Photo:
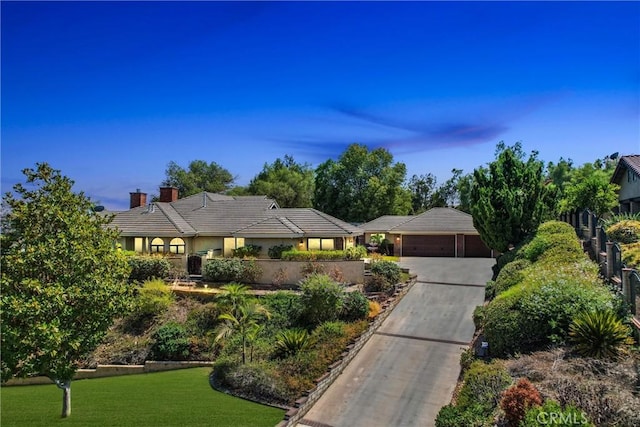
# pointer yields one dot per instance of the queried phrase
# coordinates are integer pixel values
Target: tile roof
(435, 220)
(626, 162)
(210, 214)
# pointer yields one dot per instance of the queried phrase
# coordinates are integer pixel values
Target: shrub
(257, 381)
(356, 307)
(565, 247)
(203, 318)
(518, 399)
(147, 267)
(626, 231)
(478, 316)
(285, 309)
(247, 251)
(152, 299)
(378, 283)
(483, 385)
(355, 252)
(291, 341)
(388, 269)
(374, 309)
(295, 255)
(322, 299)
(171, 342)
(454, 416)
(490, 290)
(570, 416)
(231, 270)
(312, 267)
(275, 252)
(538, 311)
(510, 275)
(631, 255)
(466, 359)
(556, 227)
(599, 334)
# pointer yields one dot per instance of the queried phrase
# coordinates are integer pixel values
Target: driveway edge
(304, 404)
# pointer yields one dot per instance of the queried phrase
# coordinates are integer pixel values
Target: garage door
(474, 247)
(440, 245)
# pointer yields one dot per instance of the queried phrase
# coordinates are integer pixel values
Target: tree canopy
(199, 176)
(508, 197)
(362, 185)
(589, 187)
(291, 184)
(62, 282)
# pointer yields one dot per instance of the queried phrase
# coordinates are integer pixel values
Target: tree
(507, 198)
(63, 281)
(362, 185)
(589, 187)
(291, 184)
(422, 190)
(244, 322)
(199, 176)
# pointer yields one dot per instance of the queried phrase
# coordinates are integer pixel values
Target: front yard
(174, 398)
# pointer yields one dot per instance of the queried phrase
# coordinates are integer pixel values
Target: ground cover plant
(174, 398)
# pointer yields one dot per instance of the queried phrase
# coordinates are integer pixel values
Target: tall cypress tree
(507, 198)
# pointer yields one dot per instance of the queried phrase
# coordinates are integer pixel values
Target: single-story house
(438, 232)
(627, 176)
(216, 224)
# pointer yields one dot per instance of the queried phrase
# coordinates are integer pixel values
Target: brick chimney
(137, 199)
(168, 194)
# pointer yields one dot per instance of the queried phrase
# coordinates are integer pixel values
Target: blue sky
(110, 92)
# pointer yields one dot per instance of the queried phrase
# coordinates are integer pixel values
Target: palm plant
(599, 334)
(233, 296)
(292, 341)
(244, 322)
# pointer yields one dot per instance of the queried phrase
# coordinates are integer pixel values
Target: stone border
(310, 397)
(114, 370)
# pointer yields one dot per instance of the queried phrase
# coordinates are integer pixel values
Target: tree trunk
(65, 386)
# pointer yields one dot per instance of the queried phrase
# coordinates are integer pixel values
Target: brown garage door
(474, 247)
(439, 245)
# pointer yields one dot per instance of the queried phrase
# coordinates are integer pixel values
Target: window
(320, 244)
(176, 246)
(157, 245)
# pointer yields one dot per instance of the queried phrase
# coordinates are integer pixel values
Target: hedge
(295, 255)
(147, 267)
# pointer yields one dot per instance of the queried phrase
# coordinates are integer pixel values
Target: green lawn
(173, 398)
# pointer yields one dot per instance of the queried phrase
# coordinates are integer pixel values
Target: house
(438, 232)
(627, 176)
(216, 224)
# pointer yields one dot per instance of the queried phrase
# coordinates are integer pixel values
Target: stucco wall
(290, 272)
(629, 190)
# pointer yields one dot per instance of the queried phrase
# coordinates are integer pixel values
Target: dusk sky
(110, 92)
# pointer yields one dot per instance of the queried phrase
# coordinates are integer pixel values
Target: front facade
(214, 224)
(627, 176)
(438, 232)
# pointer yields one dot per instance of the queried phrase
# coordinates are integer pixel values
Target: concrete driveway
(409, 368)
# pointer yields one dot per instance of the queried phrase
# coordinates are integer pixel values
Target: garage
(434, 246)
(438, 232)
(474, 247)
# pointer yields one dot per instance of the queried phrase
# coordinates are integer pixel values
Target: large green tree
(63, 281)
(198, 176)
(508, 198)
(362, 185)
(589, 187)
(291, 184)
(422, 189)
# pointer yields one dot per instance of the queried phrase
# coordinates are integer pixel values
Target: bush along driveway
(409, 367)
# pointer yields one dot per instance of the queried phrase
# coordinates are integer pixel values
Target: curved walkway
(409, 368)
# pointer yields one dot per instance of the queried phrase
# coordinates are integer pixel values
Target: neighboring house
(627, 176)
(216, 224)
(438, 232)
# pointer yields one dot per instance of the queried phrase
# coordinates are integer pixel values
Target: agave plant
(292, 341)
(599, 334)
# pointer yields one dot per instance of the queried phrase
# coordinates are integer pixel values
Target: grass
(173, 398)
